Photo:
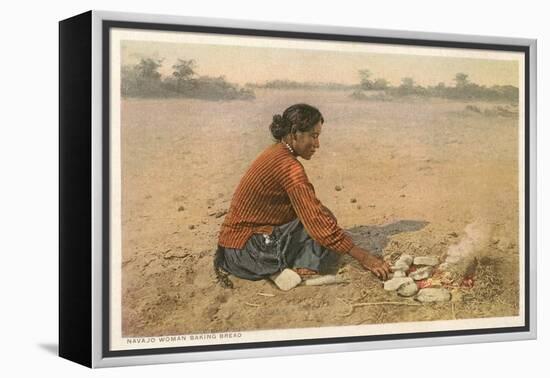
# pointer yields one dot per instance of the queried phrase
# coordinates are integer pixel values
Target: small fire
(422, 284)
(461, 258)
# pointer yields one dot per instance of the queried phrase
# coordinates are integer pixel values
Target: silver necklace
(289, 148)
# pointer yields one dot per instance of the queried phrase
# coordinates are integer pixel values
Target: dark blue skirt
(289, 246)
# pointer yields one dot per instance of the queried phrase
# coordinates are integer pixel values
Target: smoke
(459, 257)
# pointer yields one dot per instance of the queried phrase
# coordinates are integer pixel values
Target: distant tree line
(144, 80)
(289, 84)
(463, 89)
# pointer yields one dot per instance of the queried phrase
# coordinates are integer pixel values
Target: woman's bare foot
(305, 272)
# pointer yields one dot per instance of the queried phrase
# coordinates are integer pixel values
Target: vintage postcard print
(420, 160)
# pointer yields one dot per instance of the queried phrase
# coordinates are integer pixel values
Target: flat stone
(286, 280)
(396, 282)
(399, 274)
(421, 273)
(426, 260)
(400, 265)
(403, 263)
(407, 259)
(408, 289)
(433, 295)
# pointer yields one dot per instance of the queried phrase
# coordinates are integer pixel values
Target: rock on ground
(421, 273)
(399, 274)
(433, 295)
(408, 289)
(400, 265)
(407, 259)
(286, 280)
(426, 260)
(396, 282)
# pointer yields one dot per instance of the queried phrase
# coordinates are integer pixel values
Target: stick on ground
(354, 305)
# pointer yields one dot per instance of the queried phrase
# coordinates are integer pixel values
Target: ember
(418, 277)
(424, 283)
(467, 282)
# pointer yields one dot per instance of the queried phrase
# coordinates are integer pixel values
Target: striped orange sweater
(273, 191)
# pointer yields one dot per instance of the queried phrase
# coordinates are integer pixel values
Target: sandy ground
(414, 173)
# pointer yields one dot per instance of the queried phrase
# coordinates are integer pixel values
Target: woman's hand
(376, 265)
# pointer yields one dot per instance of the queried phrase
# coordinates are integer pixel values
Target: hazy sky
(242, 64)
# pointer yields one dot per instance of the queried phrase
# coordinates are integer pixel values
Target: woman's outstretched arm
(322, 226)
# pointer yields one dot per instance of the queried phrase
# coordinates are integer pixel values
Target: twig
(148, 262)
(385, 303)
(126, 262)
(252, 304)
(325, 280)
(379, 316)
(343, 301)
(266, 294)
(453, 310)
(354, 305)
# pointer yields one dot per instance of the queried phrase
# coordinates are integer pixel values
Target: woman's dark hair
(298, 117)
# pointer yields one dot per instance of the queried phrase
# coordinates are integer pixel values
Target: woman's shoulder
(278, 161)
(281, 156)
(287, 168)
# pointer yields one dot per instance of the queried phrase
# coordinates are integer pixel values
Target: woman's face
(307, 142)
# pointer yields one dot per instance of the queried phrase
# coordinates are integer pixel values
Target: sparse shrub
(144, 80)
(359, 95)
(380, 84)
(372, 96)
(463, 89)
(502, 111)
(289, 84)
(381, 96)
(473, 108)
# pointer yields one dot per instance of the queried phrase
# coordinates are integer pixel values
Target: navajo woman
(275, 221)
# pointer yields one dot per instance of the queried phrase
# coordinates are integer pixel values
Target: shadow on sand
(376, 238)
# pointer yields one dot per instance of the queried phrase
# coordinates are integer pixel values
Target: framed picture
(232, 189)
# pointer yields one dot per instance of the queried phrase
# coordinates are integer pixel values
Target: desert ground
(413, 174)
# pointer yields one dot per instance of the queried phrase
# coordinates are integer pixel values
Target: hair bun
(278, 120)
(279, 127)
(298, 117)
